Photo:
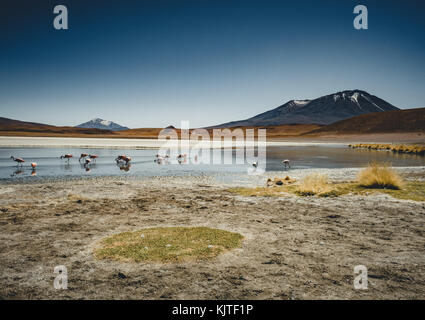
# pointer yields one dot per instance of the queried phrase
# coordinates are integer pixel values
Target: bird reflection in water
(88, 165)
(17, 172)
(124, 167)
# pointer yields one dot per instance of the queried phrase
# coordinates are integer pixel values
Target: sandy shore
(293, 248)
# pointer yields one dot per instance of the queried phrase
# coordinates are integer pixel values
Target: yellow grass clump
(315, 184)
(379, 175)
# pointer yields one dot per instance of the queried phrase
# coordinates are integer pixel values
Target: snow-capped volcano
(324, 110)
(98, 123)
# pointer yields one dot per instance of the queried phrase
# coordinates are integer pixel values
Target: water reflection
(21, 171)
(67, 166)
(17, 172)
(124, 167)
(88, 165)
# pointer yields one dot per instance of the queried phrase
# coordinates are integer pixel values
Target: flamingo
(83, 156)
(66, 156)
(93, 157)
(123, 158)
(286, 163)
(18, 160)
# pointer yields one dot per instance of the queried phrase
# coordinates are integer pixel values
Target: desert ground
(293, 248)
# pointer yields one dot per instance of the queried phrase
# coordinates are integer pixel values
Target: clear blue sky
(154, 63)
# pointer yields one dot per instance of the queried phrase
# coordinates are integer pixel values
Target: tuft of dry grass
(315, 184)
(171, 244)
(380, 176)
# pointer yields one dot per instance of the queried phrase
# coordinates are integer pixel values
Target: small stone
(210, 246)
(322, 243)
(168, 245)
(142, 236)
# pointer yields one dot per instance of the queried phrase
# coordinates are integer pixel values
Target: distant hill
(323, 110)
(98, 123)
(11, 125)
(410, 120)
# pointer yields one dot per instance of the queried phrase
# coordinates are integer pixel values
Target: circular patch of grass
(168, 244)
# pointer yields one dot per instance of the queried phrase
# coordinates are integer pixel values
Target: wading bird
(83, 156)
(93, 157)
(19, 161)
(123, 158)
(286, 163)
(66, 156)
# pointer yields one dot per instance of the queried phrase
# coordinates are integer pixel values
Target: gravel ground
(293, 248)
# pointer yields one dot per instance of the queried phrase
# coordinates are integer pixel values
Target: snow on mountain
(98, 123)
(323, 110)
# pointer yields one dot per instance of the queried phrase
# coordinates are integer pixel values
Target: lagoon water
(302, 157)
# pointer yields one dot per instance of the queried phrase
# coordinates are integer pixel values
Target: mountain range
(358, 112)
(323, 110)
(98, 123)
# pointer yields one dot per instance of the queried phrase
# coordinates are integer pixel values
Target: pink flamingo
(18, 160)
(93, 157)
(83, 156)
(66, 156)
(123, 158)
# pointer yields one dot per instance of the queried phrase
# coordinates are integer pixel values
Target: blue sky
(154, 63)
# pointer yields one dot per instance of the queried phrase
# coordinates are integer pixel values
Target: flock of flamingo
(85, 157)
(122, 161)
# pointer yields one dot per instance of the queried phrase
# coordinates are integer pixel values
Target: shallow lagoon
(301, 157)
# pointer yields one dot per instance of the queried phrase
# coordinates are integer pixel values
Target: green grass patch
(165, 245)
(410, 191)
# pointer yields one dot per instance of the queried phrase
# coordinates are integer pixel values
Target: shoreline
(57, 142)
(149, 143)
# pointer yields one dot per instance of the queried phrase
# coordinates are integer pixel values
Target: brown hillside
(411, 120)
(13, 127)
